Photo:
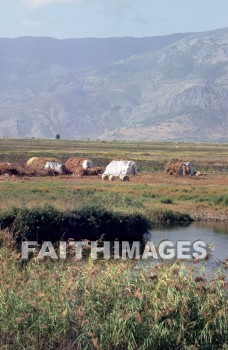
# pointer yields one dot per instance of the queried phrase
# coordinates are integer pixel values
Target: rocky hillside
(161, 88)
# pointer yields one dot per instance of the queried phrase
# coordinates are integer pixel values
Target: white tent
(54, 166)
(121, 167)
(87, 164)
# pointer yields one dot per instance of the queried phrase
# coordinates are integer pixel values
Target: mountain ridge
(175, 89)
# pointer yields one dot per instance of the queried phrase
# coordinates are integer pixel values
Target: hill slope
(163, 88)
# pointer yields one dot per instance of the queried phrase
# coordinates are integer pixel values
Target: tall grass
(108, 305)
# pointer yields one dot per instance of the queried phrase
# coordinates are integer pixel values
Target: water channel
(214, 234)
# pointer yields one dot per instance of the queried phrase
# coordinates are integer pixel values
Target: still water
(215, 234)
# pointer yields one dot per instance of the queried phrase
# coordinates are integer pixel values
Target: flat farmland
(203, 198)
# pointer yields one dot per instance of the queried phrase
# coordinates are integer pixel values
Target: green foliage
(221, 200)
(215, 200)
(149, 195)
(166, 200)
(185, 197)
(162, 216)
(49, 224)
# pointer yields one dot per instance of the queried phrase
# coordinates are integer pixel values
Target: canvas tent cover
(87, 164)
(190, 167)
(55, 166)
(121, 167)
(179, 167)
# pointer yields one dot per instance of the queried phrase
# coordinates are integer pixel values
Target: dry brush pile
(173, 166)
(74, 165)
(35, 166)
(22, 170)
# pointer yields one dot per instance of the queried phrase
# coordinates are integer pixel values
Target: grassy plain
(149, 192)
(150, 156)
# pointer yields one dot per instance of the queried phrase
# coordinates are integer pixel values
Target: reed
(108, 305)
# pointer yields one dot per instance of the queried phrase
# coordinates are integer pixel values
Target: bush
(222, 200)
(49, 224)
(163, 216)
(166, 200)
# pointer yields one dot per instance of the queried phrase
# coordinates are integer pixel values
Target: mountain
(170, 88)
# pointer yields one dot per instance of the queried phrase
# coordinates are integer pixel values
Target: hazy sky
(105, 18)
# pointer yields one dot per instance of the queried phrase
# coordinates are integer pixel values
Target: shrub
(223, 200)
(163, 216)
(166, 200)
(49, 224)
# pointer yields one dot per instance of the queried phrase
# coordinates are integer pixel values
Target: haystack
(173, 166)
(38, 163)
(30, 161)
(179, 167)
(76, 165)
